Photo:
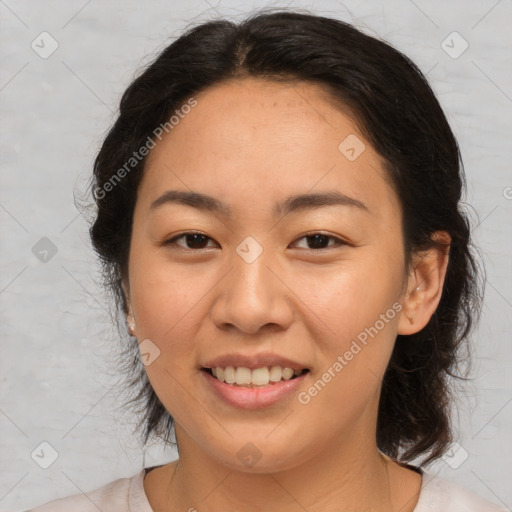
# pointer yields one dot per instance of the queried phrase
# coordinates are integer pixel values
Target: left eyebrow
(303, 202)
(300, 202)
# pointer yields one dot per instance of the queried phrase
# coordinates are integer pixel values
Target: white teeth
(242, 376)
(229, 375)
(260, 377)
(287, 373)
(276, 374)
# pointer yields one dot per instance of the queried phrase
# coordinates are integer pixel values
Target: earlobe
(425, 285)
(130, 320)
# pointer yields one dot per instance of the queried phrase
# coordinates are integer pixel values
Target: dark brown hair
(396, 111)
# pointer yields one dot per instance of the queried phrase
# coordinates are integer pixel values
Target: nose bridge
(252, 296)
(251, 277)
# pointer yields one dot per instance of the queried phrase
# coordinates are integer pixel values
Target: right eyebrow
(194, 199)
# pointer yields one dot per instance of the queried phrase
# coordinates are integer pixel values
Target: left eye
(198, 240)
(317, 240)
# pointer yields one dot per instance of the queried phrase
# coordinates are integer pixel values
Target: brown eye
(192, 240)
(321, 241)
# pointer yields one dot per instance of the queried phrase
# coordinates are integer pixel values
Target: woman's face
(257, 283)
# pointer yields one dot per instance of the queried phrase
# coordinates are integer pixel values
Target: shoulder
(119, 495)
(440, 495)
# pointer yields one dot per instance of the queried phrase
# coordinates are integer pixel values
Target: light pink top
(127, 495)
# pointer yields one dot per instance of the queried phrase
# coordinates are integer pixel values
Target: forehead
(249, 141)
(251, 111)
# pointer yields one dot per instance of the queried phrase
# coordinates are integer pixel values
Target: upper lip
(253, 361)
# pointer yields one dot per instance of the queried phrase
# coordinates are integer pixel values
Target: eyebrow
(300, 202)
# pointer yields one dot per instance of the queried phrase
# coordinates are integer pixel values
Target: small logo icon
(249, 454)
(454, 45)
(44, 454)
(351, 147)
(44, 250)
(148, 351)
(455, 456)
(249, 250)
(44, 45)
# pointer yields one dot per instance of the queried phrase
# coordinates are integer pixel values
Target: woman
(296, 375)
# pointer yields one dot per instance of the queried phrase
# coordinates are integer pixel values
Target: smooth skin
(251, 143)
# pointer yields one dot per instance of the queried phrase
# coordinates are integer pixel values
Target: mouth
(254, 378)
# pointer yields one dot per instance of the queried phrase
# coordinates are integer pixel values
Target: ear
(424, 285)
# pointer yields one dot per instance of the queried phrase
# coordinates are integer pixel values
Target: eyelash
(172, 241)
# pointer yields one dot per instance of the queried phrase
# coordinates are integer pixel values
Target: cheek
(350, 297)
(356, 309)
(166, 306)
(165, 296)
(353, 364)
(166, 313)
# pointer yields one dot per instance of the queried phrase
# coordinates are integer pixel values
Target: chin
(259, 457)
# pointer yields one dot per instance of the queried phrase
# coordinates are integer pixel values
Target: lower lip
(253, 398)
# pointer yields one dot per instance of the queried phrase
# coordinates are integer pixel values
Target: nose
(253, 296)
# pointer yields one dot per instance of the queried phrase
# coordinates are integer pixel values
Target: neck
(352, 473)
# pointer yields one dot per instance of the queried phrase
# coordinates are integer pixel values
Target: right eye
(193, 240)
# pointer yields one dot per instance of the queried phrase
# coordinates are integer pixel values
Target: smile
(257, 377)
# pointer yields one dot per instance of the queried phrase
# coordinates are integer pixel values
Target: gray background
(59, 382)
